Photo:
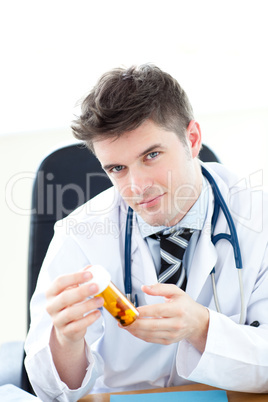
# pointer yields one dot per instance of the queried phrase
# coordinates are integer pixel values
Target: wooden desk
(232, 396)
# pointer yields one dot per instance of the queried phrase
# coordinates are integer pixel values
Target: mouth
(150, 202)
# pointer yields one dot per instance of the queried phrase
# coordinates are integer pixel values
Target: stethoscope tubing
(128, 237)
(221, 204)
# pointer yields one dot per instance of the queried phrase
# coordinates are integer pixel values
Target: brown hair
(123, 99)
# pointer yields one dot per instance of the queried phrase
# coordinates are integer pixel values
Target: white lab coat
(235, 357)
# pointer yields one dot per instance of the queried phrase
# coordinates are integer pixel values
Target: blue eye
(117, 169)
(152, 155)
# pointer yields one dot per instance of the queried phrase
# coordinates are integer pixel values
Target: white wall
(54, 51)
(240, 139)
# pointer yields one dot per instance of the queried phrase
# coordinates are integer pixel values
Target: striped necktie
(172, 249)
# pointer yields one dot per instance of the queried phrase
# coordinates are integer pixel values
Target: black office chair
(66, 178)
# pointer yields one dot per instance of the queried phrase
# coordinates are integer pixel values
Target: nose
(139, 181)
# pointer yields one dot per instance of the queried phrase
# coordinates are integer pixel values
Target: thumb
(162, 289)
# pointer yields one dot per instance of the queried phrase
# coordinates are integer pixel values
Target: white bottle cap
(100, 276)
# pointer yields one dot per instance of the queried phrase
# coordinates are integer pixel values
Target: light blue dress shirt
(194, 219)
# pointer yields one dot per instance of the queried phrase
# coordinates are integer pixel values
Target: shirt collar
(194, 219)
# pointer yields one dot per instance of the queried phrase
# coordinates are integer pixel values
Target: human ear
(193, 134)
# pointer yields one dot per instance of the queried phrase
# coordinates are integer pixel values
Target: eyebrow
(146, 151)
(150, 149)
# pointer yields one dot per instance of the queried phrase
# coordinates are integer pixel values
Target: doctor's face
(157, 175)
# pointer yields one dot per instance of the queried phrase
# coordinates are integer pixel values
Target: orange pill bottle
(114, 301)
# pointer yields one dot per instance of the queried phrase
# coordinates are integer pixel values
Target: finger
(86, 268)
(161, 310)
(75, 329)
(65, 281)
(162, 289)
(70, 296)
(77, 311)
(154, 330)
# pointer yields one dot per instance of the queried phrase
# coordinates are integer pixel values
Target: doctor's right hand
(72, 312)
(70, 308)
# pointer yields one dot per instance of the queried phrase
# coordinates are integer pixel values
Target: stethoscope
(219, 204)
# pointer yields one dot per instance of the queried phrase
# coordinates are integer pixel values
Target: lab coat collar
(205, 255)
(204, 258)
(203, 262)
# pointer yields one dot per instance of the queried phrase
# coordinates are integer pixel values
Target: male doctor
(140, 125)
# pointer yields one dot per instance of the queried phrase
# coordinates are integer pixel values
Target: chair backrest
(66, 178)
(207, 155)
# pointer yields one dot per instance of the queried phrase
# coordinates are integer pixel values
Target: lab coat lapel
(205, 256)
(143, 270)
(143, 265)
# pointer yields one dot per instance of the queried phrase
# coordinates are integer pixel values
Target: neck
(192, 196)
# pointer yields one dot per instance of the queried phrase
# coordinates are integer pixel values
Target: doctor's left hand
(179, 317)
